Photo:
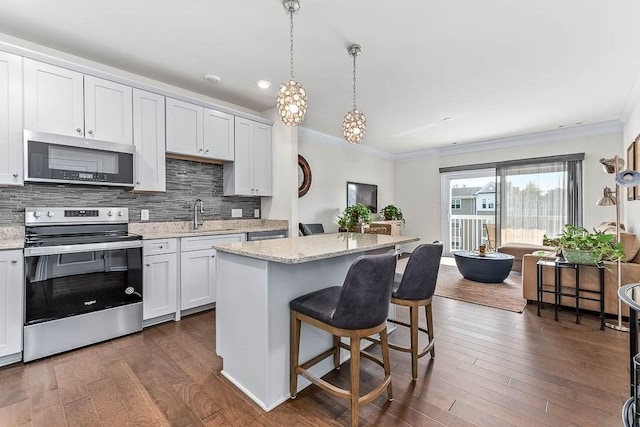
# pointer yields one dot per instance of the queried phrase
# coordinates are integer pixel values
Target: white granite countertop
(296, 250)
(164, 230)
(11, 237)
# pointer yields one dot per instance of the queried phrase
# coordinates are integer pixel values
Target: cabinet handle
(206, 151)
(14, 261)
(213, 256)
(79, 130)
(148, 265)
(15, 175)
(199, 150)
(160, 246)
(90, 132)
(137, 182)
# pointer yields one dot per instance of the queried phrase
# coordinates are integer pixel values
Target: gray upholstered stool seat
(354, 310)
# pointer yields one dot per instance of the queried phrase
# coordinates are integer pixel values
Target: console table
(558, 290)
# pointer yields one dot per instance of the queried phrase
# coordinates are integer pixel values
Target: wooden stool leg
(294, 350)
(428, 309)
(336, 354)
(413, 323)
(355, 379)
(384, 343)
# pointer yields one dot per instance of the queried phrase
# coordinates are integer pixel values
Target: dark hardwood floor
(492, 368)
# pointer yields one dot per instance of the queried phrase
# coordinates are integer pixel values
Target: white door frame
(445, 195)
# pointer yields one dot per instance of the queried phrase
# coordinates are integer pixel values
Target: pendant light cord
(354, 83)
(291, 43)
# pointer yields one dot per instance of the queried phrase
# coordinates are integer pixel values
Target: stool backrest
(420, 276)
(366, 292)
(309, 229)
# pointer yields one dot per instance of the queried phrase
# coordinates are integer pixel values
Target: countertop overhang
(296, 250)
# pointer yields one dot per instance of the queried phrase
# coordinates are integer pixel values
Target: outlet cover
(236, 213)
(144, 214)
(256, 213)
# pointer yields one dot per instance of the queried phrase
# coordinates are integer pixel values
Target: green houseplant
(579, 246)
(352, 215)
(391, 213)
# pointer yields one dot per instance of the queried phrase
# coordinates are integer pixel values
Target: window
(455, 223)
(484, 203)
(456, 204)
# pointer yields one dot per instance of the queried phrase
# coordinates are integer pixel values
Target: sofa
(589, 276)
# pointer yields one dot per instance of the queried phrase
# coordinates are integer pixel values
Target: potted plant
(579, 246)
(352, 215)
(392, 213)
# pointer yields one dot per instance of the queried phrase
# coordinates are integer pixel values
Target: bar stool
(414, 289)
(357, 309)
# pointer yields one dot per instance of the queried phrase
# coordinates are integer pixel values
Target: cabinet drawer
(159, 246)
(205, 242)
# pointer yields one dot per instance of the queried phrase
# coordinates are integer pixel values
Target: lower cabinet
(198, 269)
(11, 304)
(160, 278)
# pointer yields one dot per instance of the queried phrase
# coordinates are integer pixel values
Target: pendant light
(355, 122)
(292, 98)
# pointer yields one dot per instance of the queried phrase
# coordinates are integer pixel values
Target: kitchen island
(256, 281)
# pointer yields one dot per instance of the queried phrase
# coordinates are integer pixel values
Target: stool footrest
(365, 354)
(405, 349)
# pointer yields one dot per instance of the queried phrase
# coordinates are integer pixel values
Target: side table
(558, 290)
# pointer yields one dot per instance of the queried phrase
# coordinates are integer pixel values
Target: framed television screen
(366, 194)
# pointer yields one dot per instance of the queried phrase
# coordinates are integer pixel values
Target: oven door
(71, 280)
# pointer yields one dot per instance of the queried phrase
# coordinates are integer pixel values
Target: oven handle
(90, 247)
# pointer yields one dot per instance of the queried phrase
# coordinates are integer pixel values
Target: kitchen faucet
(198, 206)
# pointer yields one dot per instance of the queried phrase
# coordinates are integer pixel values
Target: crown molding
(319, 137)
(632, 102)
(596, 129)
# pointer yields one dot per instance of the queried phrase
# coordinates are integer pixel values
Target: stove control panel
(55, 216)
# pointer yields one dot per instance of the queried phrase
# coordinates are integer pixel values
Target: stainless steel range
(83, 278)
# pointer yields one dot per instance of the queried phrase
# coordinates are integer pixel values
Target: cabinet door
(243, 168)
(53, 99)
(262, 159)
(197, 278)
(107, 110)
(218, 135)
(149, 140)
(159, 285)
(11, 302)
(11, 166)
(184, 128)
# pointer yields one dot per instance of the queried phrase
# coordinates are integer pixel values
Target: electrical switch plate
(256, 213)
(236, 213)
(144, 214)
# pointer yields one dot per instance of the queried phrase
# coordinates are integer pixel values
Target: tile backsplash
(186, 182)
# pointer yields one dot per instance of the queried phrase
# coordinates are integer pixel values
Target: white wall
(631, 209)
(331, 168)
(417, 182)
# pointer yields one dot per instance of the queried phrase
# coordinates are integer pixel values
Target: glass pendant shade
(354, 126)
(292, 103)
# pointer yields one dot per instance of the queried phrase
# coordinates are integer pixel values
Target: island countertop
(296, 250)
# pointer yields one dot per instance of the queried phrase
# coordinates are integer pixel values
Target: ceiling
(498, 68)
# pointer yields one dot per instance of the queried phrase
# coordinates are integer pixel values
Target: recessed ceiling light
(447, 119)
(263, 84)
(211, 78)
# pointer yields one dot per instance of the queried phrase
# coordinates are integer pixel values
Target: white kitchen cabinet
(107, 110)
(53, 99)
(149, 141)
(250, 174)
(198, 269)
(11, 166)
(184, 128)
(160, 278)
(218, 134)
(196, 131)
(65, 102)
(11, 303)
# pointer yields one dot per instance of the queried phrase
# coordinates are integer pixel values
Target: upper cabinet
(149, 141)
(196, 131)
(65, 102)
(11, 172)
(250, 173)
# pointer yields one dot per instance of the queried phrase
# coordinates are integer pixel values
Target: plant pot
(578, 256)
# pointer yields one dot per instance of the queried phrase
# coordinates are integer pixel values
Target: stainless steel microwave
(71, 160)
